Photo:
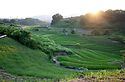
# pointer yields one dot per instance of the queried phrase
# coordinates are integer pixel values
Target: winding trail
(54, 59)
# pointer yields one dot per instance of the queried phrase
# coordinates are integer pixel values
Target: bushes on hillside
(45, 44)
(7, 30)
(24, 38)
(21, 36)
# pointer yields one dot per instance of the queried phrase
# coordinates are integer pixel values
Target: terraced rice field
(91, 59)
(91, 52)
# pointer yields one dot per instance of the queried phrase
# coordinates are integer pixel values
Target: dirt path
(7, 77)
(79, 80)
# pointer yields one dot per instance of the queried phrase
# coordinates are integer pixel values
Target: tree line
(110, 19)
(104, 19)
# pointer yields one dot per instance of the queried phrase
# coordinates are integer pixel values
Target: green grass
(20, 60)
(92, 52)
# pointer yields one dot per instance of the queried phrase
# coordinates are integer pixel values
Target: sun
(95, 12)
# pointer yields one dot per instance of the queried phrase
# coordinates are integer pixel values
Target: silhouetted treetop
(55, 18)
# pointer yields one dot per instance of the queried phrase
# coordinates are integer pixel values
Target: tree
(13, 21)
(6, 21)
(56, 18)
(73, 31)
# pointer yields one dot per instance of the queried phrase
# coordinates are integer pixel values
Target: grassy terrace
(92, 52)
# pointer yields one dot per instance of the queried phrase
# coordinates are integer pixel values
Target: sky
(29, 8)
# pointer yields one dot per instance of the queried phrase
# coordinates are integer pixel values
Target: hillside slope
(20, 60)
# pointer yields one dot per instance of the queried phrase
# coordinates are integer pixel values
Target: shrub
(101, 32)
(20, 34)
(95, 32)
(73, 31)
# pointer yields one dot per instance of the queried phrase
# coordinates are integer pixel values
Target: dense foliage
(110, 19)
(18, 34)
(71, 22)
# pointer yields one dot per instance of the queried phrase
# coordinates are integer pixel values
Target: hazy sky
(28, 8)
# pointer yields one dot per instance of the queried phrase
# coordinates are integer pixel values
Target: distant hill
(25, 21)
(32, 21)
(45, 18)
